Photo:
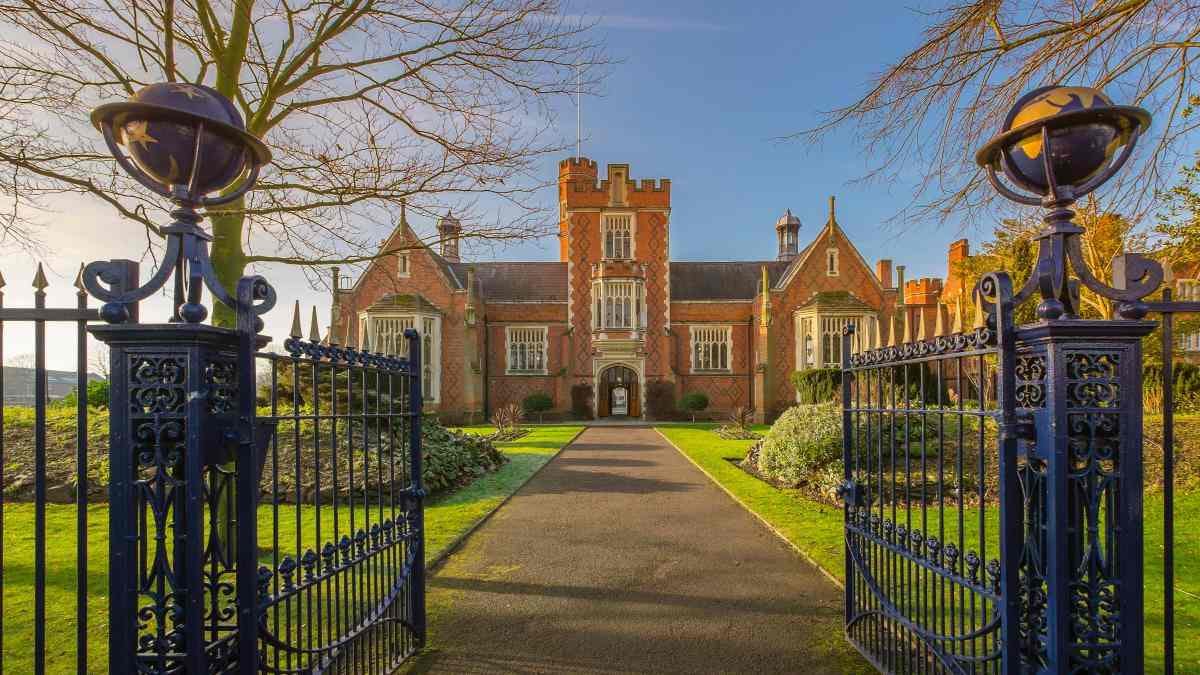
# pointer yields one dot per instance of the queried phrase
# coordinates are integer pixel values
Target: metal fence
(264, 510)
(36, 630)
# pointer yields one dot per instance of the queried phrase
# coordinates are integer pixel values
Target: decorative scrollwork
(977, 339)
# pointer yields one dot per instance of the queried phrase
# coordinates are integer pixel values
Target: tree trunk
(228, 258)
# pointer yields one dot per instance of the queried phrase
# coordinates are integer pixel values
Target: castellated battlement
(652, 185)
(924, 291)
(582, 176)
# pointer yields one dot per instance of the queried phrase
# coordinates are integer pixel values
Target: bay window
(618, 304)
(384, 333)
(819, 336)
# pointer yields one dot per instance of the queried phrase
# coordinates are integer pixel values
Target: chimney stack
(883, 270)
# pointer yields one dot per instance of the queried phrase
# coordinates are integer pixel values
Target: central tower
(614, 238)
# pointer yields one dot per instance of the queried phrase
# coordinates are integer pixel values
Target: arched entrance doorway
(619, 393)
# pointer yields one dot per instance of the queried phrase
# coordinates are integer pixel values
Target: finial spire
(3, 283)
(79, 282)
(939, 325)
(833, 208)
(314, 329)
(921, 325)
(958, 318)
(297, 331)
(39, 279)
(907, 337)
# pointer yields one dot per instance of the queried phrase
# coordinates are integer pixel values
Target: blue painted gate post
(1081, 575)
(416, 486)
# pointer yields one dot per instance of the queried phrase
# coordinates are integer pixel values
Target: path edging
(432, 566)
(774, 530)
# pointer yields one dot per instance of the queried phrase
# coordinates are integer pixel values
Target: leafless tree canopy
(932, 109)
(365, 104)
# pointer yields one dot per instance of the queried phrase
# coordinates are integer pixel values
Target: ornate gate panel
(926, 427)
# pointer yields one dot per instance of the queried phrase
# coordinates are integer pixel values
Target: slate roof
(511, 281)
(547, 281)
(738, 280)
(412, 302)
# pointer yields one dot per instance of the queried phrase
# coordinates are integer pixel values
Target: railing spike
(3, 283)
(297, 331)
(364, 340)
(39, 279)
(921, 324)
(314, 328)
(939, 320)
(876, 337)
(907, 337)
(79, 281)
(891, 340)
(980, 321)
(958, 320)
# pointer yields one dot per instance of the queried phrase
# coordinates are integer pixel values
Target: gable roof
(722, 280)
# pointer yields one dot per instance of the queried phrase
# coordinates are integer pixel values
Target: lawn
(446, 518)
(816, 530)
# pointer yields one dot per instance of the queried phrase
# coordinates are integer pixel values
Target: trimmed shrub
(660, 400)
(581, 401)
(537, 403)
(817, 385)
(805, 439)
(694, 402)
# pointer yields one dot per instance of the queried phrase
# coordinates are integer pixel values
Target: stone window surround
(605, 218)
(711, 334)
(541, 348)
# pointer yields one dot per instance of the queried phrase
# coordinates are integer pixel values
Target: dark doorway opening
(619, 393)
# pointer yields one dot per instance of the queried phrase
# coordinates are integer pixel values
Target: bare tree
(366, 104)
(935, 106)
(98, 359)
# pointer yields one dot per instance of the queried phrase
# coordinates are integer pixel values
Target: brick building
(615, 314)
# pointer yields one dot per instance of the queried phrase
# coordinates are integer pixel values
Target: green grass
(446, 518)
(816, 530)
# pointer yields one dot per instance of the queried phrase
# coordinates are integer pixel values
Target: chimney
(958, 252)
(449, 229)
(883, 270)
(900, 284)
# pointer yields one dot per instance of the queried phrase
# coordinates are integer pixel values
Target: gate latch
(851, 493)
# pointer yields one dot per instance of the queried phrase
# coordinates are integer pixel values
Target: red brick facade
(727, 329)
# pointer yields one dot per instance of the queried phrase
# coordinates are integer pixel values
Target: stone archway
(618, 393)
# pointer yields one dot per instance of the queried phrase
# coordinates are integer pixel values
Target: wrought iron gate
(993, 494)
(928, 517)
(265, 509)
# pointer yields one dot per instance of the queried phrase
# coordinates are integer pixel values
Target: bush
(1186, 378)
(97, 395)
(660, 400)
(738, 428)
(817, 385)
(581, 401)
(453, 459)
(804, 440)
(507, 420)
(694, 402)
(537, 402)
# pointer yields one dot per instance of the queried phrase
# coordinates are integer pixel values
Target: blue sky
(702, 91)
(699, 94)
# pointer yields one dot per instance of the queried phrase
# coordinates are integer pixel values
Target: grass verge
(815, 530)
